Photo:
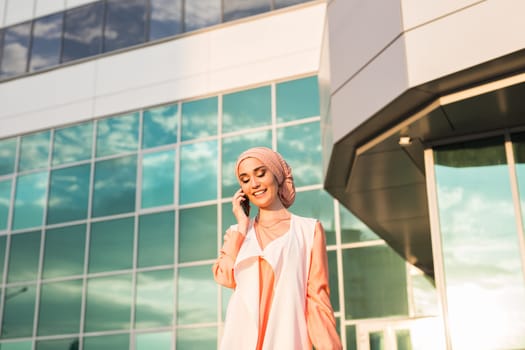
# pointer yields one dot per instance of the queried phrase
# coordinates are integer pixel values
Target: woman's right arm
(223, 266)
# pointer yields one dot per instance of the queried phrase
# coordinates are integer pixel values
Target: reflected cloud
(166, 10)
(117, 135)
(48, 28)
(485, 287)
(108, 303)
(199, 14)
(197, 296)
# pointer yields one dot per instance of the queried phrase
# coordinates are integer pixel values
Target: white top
(289, 256)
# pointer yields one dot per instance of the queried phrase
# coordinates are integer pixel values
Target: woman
(276, 263)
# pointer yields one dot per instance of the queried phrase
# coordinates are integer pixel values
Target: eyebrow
(254, 170)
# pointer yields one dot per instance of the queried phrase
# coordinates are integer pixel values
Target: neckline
(273, 240)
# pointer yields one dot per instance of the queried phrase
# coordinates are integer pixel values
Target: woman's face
(258, 183)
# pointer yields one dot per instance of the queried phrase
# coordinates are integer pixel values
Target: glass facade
(109, 228)
(105, 26)
(480, 239)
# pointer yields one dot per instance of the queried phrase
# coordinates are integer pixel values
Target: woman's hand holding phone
(241, 210)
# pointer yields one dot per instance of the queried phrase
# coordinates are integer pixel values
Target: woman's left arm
(319, 313)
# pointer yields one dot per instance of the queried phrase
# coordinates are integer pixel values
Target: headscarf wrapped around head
(277, 166)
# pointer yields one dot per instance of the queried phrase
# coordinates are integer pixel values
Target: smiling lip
(258, 193)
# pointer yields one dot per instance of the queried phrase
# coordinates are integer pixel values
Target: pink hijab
(277, 166)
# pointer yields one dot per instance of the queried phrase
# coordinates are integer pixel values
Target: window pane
(3, 243)
(111, 245)
(157, 341)
(334, 286)
(319, 205)
(19, 310)
(247, 109)
(198, 172)
(300, 146)
(24, 254)
(125, 23)
(68, 194)
(353, 229)
(375, 270)
(156, 239)
(64, 251)
(29, 200)
(285, 3)
(108, 305)
(377, 340)
(424, 293)
(72, 144)
(15, 50)
(117, 135)
(197, 233)
(197, 296)
(197, 338)
(232, 147)
(7, 156)
(158, 179)
(403, 339)
(202, 13)
(351, 338)
(107, 342)
(19, 345)
(46, 44)
(154, 300)
(166, 18)
(518, 143)
(159, 126)
(481, 254)
(59, 344)
(297, 99)
(234, 9)
(114, 186)
(199, 118)
(59, 311)
(83, 31)
(228, 218)
(5, 200)
(34, 151)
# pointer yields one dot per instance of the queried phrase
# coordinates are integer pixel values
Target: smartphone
(245, 204)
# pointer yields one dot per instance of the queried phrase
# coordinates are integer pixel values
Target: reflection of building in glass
(121, 122)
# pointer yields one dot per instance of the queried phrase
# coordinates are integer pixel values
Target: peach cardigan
(319, 328)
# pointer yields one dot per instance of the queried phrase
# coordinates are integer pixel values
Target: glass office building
(121, 120)
(427, 149)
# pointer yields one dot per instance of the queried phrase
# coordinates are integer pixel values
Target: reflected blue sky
(234, 9)
(72, 144)
(83, 31)
(300, 146)
(485, 287)
(5, 202)
(202, 13)
(157, 341)
(166, 18)
(7, 155)
(108, 303)
(159, 126)
(154, 300)
(197, 295)
(47, 42)
(117, 134)
(30, 200)
(198, 172)
(59, 308)
(34, 151)
(158, 179)
(15, 52)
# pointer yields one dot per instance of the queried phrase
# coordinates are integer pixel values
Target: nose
(254, 183)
